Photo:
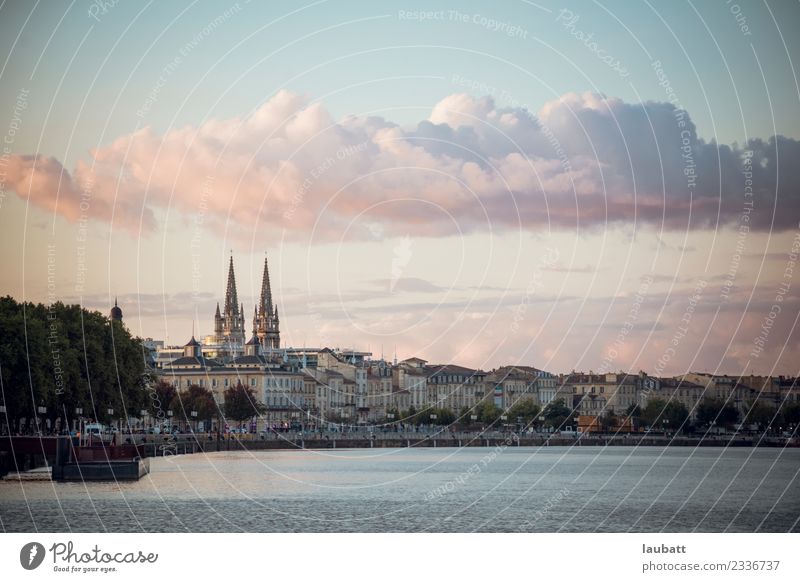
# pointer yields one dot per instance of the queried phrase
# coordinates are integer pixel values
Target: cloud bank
(582, 161)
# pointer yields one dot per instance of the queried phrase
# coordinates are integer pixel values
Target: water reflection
(476, 489)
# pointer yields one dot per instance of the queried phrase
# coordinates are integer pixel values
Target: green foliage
(444, 416)
(194, 398)
(410, 416)
(395, 418)
(760, 414)
(633, 411)
(791, 413)
(608, 421)
(525, 409)
(161, 396)
(65, 357)
(557, 414)
(660, 413)
(241, 403)
(717, 411)
(488, 412)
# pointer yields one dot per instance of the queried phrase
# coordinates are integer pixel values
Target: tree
(241, 403)
(717, 411)
(667, 415)
(707, 411)
(194, 398)
(557, 414)
(760, 414)
(444, 416)
(526, 409)
(608, 422)
(728, 416)
(63, 357)
(488, 412)
(161, 396)
(791, 413)
(410, 416)
(633, 411)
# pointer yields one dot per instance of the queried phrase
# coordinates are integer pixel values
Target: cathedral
(229, 325)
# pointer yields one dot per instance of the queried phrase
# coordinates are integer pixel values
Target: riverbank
(33, 452)
(435, 441)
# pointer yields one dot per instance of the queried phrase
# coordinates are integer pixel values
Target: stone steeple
(229, 326)
(266, 325)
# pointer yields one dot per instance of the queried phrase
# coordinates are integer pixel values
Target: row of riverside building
(313, 384)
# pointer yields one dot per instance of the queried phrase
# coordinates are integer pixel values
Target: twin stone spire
(229, 326)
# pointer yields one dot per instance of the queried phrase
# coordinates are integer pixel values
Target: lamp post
(79, 427)
(41, 410)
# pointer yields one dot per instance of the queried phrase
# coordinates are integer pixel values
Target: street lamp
(79, 414)
(42, 410)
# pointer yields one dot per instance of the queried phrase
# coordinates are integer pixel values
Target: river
(512, 489)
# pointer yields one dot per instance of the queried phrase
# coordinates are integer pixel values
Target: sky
(574, 186)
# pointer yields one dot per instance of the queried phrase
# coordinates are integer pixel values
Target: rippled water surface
(476, 489)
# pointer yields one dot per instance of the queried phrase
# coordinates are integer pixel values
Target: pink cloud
(583, 161)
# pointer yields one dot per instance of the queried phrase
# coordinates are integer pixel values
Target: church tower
(116, 312)
(266, 324)
(229, 325)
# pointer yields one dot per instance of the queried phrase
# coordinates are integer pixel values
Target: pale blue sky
(247, 59)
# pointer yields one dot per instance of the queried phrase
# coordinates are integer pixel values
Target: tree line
(58, 359)
(60, 363)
